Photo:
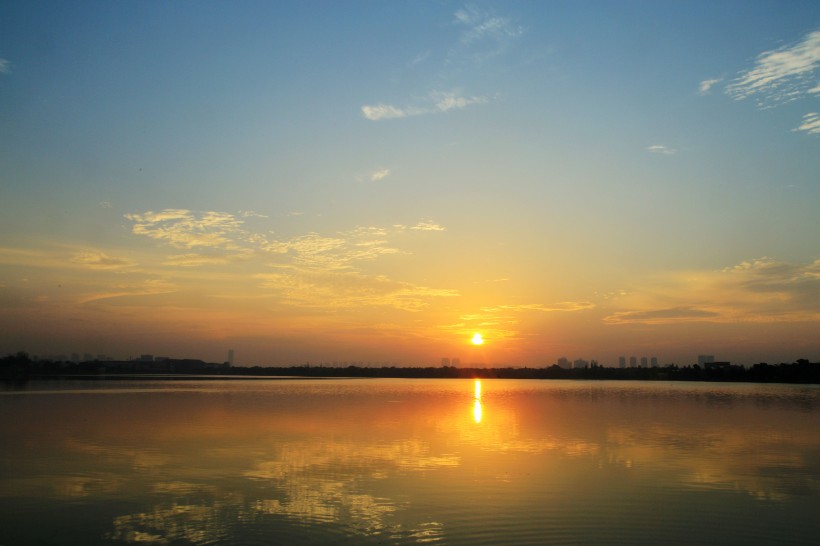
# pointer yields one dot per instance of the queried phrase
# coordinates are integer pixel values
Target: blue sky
(376, 181)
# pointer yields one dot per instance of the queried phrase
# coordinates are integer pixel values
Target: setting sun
(477, 339)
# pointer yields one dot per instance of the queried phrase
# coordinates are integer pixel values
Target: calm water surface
(408, 461)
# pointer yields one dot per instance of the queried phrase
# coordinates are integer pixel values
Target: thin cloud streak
(810, 125)
(755, 291)
(436, 102)
(661, 149)
(95, 259)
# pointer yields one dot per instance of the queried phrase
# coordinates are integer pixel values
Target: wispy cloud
(186, 229)
(313, 287)
(99, 260)
(453, 101)
(150, 287)
(428, 225)
(501, 322)
(761, 290)
(435, 102)
(5, 66)
(781, 75)
(380, 174)
(481, 26)
(312, 270)
(564, 306)
(810, 124)
(195, 260)
(221, 231)
(482, 35)
(661, 316)
(706, 85)
(661, 149)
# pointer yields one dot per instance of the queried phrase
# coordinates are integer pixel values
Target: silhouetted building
(717, 365)
(563, 362)
(230, 357)
(654, 361)
(644, 362)
(579, 364)
(622, 362)
(633, 362)
(705, 359)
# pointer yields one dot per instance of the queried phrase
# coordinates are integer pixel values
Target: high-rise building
(230, 357)
(580, 363)
(563, 362)
(644, 362)
(445, 361)
(633, 361)
(654, 361)
(622, 362)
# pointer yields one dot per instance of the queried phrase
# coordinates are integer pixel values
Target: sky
(376, 182)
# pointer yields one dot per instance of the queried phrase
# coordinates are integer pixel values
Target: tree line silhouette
(21, 367)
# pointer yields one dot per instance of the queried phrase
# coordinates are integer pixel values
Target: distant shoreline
(20, 368)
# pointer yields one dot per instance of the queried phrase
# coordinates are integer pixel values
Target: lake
(397, 461)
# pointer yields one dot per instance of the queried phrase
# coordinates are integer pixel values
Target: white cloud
(377, 112)
(706, 85)
(661, 149)
(436, 101)
(781, 75)
(5, 66)
(379, 175)
(811, 124)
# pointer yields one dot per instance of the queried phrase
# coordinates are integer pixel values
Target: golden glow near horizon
(478, 339)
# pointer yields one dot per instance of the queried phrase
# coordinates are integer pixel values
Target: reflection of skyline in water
(357, 461)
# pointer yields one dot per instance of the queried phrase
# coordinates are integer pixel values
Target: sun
(477, 339)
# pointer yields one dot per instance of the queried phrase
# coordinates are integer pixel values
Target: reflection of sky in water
(415, 461)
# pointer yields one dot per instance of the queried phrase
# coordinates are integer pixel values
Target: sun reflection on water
(477, 409)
